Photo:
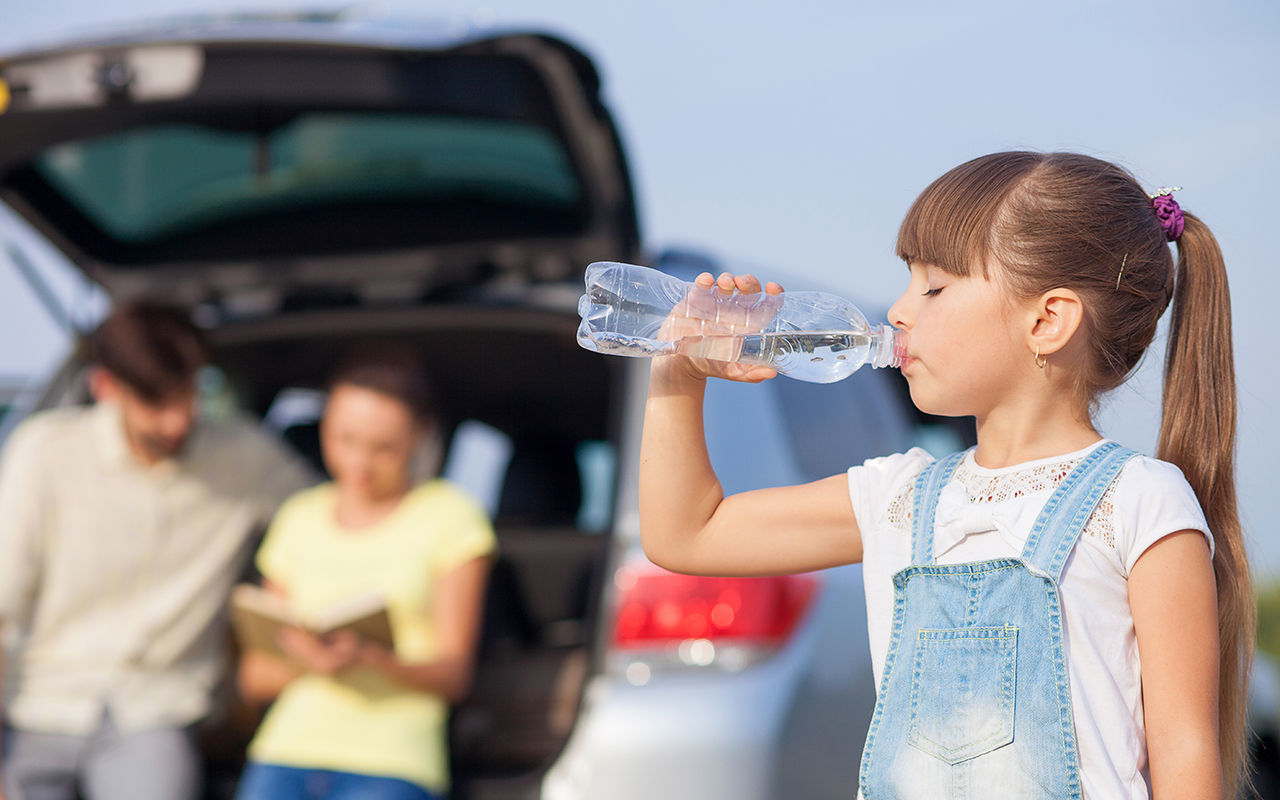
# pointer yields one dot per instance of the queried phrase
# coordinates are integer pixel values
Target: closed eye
(933, 292)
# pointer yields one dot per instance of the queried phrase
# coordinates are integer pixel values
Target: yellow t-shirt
(362, 721)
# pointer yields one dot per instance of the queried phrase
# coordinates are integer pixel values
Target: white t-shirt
(988, 513)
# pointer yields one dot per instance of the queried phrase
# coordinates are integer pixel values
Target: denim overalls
(974, 700)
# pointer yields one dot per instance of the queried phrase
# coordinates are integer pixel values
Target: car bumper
(686, 736)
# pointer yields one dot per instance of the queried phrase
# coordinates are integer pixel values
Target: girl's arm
(686, 522)
(458, 603)
(1174, 602)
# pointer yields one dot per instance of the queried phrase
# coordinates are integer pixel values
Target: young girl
(1050, 614)
(351, 719)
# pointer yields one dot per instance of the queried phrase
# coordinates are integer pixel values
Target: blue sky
(794, 140)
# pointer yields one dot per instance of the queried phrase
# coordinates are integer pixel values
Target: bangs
(950, 223)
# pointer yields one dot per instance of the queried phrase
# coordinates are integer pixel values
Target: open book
(257, 616)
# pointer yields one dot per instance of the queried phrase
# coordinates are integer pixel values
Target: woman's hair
(389, 370)
(151, 347)
(1061, 220)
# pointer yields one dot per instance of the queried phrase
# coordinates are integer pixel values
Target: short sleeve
(465, 532)
(24, 504)
(875, 483)
(1152, 500)
(276, 556)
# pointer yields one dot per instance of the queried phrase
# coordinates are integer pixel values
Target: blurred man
(122, 527)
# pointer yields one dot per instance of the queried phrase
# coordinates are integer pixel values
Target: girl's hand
(325, 655)
(700, 315)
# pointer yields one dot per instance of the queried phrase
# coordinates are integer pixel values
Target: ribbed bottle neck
(890, 347)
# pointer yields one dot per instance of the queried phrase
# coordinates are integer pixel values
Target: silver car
(306, 184)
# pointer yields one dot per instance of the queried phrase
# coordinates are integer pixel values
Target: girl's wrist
(675, 375)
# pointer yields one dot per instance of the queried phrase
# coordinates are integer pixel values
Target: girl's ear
(1055, 317)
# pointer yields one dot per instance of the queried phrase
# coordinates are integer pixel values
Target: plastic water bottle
(812, 336)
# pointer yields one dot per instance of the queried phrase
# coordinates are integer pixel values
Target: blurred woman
(352, 718)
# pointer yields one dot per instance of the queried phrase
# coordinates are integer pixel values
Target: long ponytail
(1198, 434)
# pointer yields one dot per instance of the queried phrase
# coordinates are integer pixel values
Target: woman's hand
(457, 608)
(372, 654)
(326, 655)
(701, 315)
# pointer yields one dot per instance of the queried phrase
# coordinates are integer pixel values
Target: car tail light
(698, 621)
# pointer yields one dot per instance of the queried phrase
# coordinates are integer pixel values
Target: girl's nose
(899, 313)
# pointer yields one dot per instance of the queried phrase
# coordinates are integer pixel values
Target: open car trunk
(553, 498)
(306, 186)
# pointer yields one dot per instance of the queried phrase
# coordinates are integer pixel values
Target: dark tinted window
(158, 182)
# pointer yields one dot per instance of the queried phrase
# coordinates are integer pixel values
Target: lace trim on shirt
(1007, 486)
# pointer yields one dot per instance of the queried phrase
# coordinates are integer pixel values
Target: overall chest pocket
(962, 689)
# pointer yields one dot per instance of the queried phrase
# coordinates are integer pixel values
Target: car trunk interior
(517, 370)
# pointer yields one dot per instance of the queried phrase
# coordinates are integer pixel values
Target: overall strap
(928, 486)
(1068, 509)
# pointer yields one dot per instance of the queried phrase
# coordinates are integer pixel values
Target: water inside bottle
(620, 344)
(816, 356)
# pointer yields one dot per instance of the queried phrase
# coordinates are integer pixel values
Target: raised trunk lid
(330, 161)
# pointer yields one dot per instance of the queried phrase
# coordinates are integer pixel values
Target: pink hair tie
(1168, 212)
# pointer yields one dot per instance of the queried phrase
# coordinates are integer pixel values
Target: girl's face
(964, 351)
(368, 440)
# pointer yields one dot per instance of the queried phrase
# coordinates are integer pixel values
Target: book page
(364, 614)
(258, 614)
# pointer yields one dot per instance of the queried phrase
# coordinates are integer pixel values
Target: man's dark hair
(392, 370)
(151, 347)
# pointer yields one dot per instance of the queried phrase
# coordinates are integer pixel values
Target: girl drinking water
(1051, 615)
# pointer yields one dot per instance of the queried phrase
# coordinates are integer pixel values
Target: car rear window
(156, 183)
